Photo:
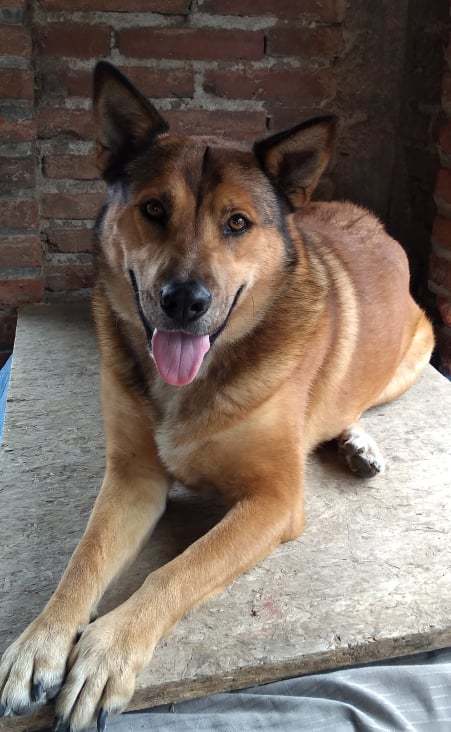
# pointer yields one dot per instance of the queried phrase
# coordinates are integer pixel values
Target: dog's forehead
(198, 161)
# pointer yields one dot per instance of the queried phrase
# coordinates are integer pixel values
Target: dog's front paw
(32, 668)
(103, 668)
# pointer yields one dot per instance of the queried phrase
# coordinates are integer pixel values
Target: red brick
(168, 7)
(74, 39)
(156, 83)
(191, 43)
(20, 291)
(152, 82)
(53, 122)
(61, 81)
(234, 125)
(77, 167)
(20, 251)
(271, 84)
(443, 185)
(282, 118)
(16, 84)
(327, 11)
(19, 213)
(444, 343)
(446, 92)
(70, 240)
(69, 276)
(73, 82)
(444, 306)
(71, 205)
(16, 172)
(14, 41)
(444, 139)
(8, 320)
(17, 130)
(440, 271)
(441, 232)
(304, 42)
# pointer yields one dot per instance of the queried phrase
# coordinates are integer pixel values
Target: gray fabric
(411, 694)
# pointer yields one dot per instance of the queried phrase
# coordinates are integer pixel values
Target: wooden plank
(370, 577)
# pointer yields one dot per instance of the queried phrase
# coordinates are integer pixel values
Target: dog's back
(372, 316)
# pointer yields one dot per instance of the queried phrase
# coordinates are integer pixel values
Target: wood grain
(370, 578)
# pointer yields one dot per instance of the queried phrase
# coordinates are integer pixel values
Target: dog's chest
(180, 439)
(183, 458)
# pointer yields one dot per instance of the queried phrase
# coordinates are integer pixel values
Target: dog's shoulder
(353, 233)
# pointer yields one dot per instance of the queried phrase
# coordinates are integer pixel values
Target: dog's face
(195, 223)
(196, 230)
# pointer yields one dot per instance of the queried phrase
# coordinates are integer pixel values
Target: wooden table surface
(370, 578)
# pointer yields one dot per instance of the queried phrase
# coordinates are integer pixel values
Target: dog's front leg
(114, 648)
(131, 501)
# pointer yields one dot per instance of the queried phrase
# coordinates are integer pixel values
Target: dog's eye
(237, 224)
(154, 210)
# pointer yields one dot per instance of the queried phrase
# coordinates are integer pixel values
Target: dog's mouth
(179, 355)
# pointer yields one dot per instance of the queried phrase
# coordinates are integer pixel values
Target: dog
(240, 325)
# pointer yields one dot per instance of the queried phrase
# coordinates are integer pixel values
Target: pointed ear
(295, 160)
(126, 121)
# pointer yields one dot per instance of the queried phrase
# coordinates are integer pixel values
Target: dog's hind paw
(361, 452)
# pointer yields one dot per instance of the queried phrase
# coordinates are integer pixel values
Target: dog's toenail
(101, 720)
(37, 691)
(60, 725)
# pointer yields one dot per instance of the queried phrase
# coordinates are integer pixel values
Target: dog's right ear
(126, 120)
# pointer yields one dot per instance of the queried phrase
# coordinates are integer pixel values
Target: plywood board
(370, 577)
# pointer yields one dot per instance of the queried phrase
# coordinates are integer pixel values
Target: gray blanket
(409, 694)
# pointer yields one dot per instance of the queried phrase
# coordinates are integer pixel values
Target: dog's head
(194, 234)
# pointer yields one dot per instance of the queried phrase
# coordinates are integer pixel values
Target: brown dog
(239, 325)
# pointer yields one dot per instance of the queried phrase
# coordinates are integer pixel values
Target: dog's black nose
(185, 302)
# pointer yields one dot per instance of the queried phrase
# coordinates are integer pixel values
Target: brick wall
(21, 256)
(241, 68)
(440, 263)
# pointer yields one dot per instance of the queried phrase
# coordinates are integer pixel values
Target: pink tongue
(178, 356)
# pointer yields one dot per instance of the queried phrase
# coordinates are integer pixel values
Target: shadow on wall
(412, 210)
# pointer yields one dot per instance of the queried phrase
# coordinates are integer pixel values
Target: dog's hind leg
(414, 361)
(360, 451)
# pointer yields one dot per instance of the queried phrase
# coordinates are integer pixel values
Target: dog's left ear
(126, 120)
(295, 160)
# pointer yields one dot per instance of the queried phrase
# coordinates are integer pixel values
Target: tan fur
(413, 361)
(307, 350)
